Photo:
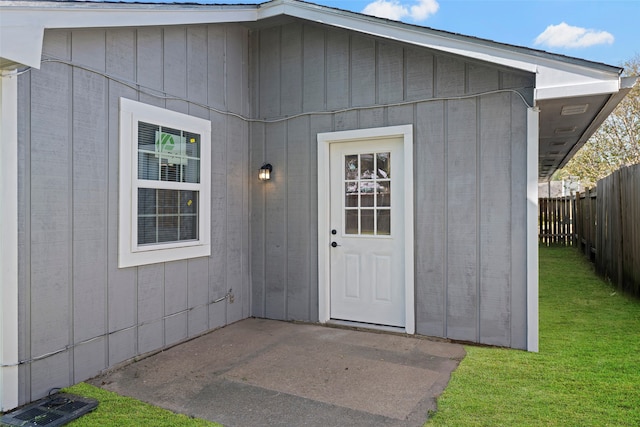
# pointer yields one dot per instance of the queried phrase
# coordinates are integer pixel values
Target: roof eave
(24, 22)
(556, 75)
(316, 13)
(87, 14)
(626, 84)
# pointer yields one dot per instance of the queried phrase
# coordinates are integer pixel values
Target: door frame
(324, 205)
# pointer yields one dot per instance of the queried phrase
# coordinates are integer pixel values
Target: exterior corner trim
(9, 242)
(533, 119)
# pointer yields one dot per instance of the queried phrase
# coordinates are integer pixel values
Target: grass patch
(116, 411)
(587, 372)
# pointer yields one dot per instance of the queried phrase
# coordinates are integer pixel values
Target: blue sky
(598, 30)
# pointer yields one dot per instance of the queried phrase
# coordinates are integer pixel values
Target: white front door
(367, 259)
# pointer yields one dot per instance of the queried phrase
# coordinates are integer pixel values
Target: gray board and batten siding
(470, 173)
(74, 300)
(80, 314)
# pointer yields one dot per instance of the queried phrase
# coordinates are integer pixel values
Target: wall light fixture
(265, 172)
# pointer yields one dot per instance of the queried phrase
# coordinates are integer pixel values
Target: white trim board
(324, 142)
(9, 242)
(533, 118)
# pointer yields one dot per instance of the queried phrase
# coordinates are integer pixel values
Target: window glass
(383, 165)
(383, 223)
(351, 194)
(351, 222)
(366, 221)
(368, 193)
(166, 154)
(351, 167)
(366, 166)
(169, 155)
(167, 215)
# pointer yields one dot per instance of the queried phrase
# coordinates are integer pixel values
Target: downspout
(533, 122)
(9, 240)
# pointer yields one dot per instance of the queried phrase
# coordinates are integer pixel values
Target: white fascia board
(577, 89)
(21, 45)
(22, 27)
(78, 15)
(572, 81)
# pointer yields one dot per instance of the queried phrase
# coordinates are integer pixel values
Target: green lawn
(587, 372)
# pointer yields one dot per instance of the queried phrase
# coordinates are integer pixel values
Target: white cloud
(393, 9)
(567, 36)
(424, 9)
(386, 9)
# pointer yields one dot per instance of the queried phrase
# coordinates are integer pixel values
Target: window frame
(129, 252)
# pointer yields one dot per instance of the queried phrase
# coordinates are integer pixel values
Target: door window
(367, 201)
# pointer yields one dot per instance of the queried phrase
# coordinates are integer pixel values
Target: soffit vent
(565, 131)
(52, 411)
(572, 110)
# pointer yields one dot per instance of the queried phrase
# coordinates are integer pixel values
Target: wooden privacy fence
(555, 220)
(618, 228)
(603, 222)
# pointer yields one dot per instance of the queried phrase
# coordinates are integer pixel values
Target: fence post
(578, 227)
(587, 228)
(593, 199)
(574, 218)
(566, 218)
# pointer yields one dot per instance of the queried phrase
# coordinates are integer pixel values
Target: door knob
(334, 245)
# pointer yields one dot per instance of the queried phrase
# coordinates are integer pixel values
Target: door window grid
(367, 202)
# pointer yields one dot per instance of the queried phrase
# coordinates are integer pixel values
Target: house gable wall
(470, 173)
(79, 314)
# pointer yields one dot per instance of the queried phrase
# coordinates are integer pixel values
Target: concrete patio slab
(260, 372)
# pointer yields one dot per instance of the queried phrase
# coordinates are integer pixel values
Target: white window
(165, 175)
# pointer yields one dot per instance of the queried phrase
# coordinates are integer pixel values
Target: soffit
(563, 134)
(560, 133)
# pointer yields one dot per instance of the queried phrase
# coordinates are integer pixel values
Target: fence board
(555, 220)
